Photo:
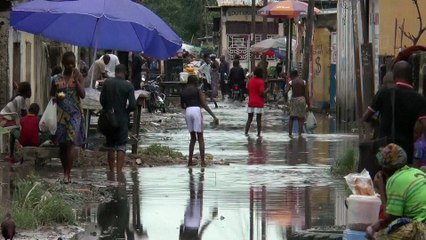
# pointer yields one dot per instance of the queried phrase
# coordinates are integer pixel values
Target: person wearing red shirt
(29, 127)
(256, 92)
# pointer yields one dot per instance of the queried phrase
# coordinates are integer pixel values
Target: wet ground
(274, 185)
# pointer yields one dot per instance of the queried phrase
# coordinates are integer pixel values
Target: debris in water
(138, 161)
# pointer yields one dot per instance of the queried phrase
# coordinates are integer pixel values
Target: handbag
(107, 121)
(368, 149)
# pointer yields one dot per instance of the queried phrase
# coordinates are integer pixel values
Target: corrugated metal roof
(222, 3)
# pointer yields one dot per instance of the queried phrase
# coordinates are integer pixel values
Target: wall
(321, 67)
(389, 10)
(4, 67)
(345, 68)
(34, 63)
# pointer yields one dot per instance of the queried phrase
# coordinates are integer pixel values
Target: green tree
(184, 17)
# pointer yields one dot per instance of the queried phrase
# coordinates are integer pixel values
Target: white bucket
(183, 76)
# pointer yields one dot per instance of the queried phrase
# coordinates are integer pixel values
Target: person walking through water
(115, 94)
(215, 74)
(206, 70)
(192, 100)
(298, 101)
(256, 92)
(224, 73)
(67, 91)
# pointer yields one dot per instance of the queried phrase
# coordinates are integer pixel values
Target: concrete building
(388, 20)
(26, 57)
(235, 29)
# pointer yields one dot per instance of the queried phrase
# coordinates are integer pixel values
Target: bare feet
(203, 164)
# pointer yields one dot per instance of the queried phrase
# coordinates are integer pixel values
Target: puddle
(275, 185)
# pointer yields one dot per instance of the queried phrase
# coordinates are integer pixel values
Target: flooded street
(274, 185)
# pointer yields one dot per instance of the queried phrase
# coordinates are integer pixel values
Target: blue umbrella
(101, 24)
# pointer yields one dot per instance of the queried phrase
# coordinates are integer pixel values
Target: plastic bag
(311, 121)
(48, 122)
(360, 183)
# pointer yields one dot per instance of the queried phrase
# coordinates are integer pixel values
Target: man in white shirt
(113, 62)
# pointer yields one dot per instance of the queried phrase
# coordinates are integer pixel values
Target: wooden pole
(253, 32)
(264, 36)
(364, 22)
(265, 23)
(359, 102)
(367, 63)
(289, 45)
(308, 40)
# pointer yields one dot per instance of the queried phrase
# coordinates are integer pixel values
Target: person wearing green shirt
(403, 193)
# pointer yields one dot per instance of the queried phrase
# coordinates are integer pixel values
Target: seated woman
(404, 197)
(16, 106)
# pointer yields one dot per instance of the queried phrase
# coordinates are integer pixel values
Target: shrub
(33, 205)
(54, 209)
(345, 164)
(160, 150)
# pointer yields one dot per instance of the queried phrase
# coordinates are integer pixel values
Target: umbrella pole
(94, 52)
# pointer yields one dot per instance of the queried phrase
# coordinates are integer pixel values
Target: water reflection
(298, 151)
(257, 151)
(192, 229)
(113, 216)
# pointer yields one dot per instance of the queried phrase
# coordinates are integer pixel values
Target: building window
(238, 44)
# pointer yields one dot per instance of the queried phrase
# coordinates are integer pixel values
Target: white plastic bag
(48, 122)
(311, 121)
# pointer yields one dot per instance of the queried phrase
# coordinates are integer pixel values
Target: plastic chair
(8, 121)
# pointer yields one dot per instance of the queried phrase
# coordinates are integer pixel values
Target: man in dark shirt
(409, 107)
(224, 73)
(114, 96)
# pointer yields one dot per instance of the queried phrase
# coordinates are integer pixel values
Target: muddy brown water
(274, 185)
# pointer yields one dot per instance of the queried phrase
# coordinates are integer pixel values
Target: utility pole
(308, 40)
(253, 32)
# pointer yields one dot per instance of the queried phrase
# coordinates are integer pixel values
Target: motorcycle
(157, 98)
(237, 93)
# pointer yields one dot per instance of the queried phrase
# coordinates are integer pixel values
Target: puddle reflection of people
(256, 151)
(136, 206)
(298, 151)
(191, 229)
(113, 216)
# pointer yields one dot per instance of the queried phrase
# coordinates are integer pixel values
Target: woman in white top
(16, 105)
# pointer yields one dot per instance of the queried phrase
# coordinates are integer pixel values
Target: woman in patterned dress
(68, 90)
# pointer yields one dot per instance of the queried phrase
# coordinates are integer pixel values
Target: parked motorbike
(157, 98)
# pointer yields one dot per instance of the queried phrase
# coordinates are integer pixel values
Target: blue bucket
(353, 235)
